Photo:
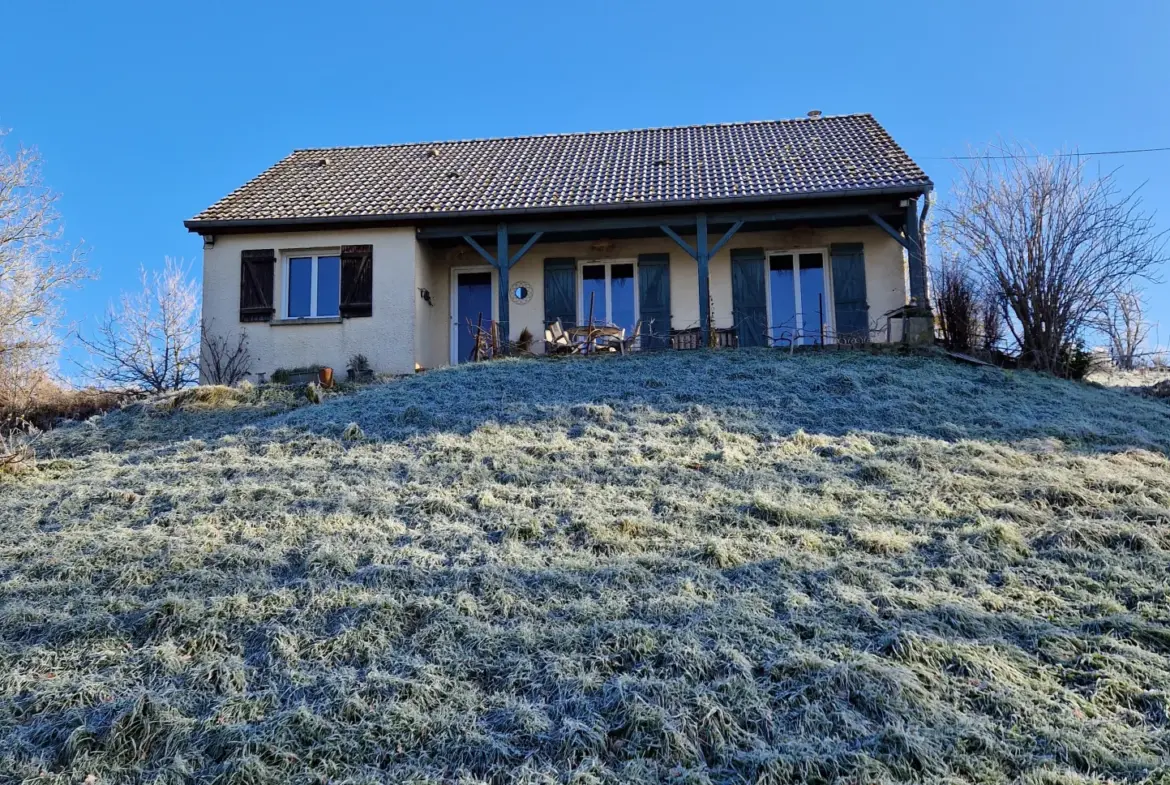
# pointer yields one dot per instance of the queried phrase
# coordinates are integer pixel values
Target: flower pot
(325, 376)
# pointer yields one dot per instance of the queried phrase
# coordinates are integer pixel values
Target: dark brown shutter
(357, 280)
(256, 271)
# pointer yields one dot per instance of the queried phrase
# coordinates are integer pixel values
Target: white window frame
(454, 303)
(286, 266)
(827, 266)
(583, 307)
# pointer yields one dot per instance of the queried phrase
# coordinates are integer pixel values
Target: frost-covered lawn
(729, 568)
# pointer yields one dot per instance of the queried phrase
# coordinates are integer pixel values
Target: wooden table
(602, 337)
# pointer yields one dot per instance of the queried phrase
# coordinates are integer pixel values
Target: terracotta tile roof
(782, 159)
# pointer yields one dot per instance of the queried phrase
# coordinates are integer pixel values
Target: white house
(769, 233)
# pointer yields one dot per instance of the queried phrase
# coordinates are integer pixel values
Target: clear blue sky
(147, 112)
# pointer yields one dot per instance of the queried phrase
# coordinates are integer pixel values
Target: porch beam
(584, 222)
(891, 231)
(691, 252)
(735, 227)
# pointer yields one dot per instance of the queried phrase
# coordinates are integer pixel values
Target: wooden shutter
(357, 280)
(849, 301)
(256, 270)
(560, 291)
(654, 299)
(749, 304)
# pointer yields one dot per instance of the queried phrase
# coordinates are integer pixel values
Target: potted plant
(359, 369)
(325, 377)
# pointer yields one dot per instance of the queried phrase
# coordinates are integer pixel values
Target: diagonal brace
(877, 219)
(479, 248)
(525, 248)
(682, 243)
(726, 236)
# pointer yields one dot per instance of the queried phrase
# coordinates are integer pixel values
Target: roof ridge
(583, 133)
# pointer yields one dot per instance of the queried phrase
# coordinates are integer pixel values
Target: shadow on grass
(759, 392)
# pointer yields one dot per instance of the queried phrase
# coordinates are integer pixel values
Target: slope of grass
(691, 568)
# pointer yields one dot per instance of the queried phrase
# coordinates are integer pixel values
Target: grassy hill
(693, 568)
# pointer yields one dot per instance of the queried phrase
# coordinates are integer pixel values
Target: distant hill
(691, 567)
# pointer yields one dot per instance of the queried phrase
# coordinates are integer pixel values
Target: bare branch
(1054, 244)
(150, 340)
(224, 362)
(34, 273)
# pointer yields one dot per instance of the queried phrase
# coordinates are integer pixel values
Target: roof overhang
(823, 204)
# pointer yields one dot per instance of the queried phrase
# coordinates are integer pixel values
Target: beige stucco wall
(387, 338)
(406, 330)
(885, 266)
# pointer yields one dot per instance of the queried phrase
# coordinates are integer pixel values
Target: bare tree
(223, 361)
(34, 269)
(150, 340)
(1122, 321)
(1052, 241)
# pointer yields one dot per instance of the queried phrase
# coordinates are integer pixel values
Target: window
(611, 289)
(798, 300)
(312, 286)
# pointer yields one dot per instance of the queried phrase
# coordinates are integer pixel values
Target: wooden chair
(630, 343)
(557, 341)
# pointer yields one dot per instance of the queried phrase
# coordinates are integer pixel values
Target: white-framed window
(800, 302)
(612, 287)
(312, 284)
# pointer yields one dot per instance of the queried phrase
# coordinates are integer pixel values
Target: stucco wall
(387, 338)
(885, 265)
(405, 329)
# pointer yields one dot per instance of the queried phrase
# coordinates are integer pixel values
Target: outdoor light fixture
(209, 241)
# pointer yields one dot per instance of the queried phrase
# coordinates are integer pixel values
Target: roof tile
(657, 165)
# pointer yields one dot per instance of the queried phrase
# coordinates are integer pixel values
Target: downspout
(922, 247)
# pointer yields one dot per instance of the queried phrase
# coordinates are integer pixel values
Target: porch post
(703, 256)
(914, 252)
(502, 266)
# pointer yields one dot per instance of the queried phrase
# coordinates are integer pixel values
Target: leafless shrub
(17, 437)
(1053, 241)
(991, 327)
(34, 273)
(1122, 321)
(957, 306)
(222, 360)
(150, 340)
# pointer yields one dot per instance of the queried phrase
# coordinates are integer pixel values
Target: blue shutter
(654, 299)
(849, 300)
(560, 291)
(749, 305)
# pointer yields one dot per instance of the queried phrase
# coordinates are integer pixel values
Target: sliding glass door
(608, 294)
(798, 302)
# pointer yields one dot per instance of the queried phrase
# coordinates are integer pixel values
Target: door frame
(453, 354)
(831, 322)
(582, 306)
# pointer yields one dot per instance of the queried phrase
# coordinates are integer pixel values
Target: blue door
(473, 301)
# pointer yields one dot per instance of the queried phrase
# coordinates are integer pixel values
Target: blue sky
(147, 112)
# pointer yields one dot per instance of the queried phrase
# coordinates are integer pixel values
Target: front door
(473, 294)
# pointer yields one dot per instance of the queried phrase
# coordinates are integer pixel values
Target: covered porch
(800, 273)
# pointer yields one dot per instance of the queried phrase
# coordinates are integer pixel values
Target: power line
(1042, 155)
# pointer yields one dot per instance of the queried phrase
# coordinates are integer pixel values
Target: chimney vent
(815, 114)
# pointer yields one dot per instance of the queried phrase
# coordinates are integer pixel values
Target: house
(770, 233)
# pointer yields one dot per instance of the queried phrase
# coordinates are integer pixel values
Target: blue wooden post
(915, 255)
(503, 264)
(702, 256)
